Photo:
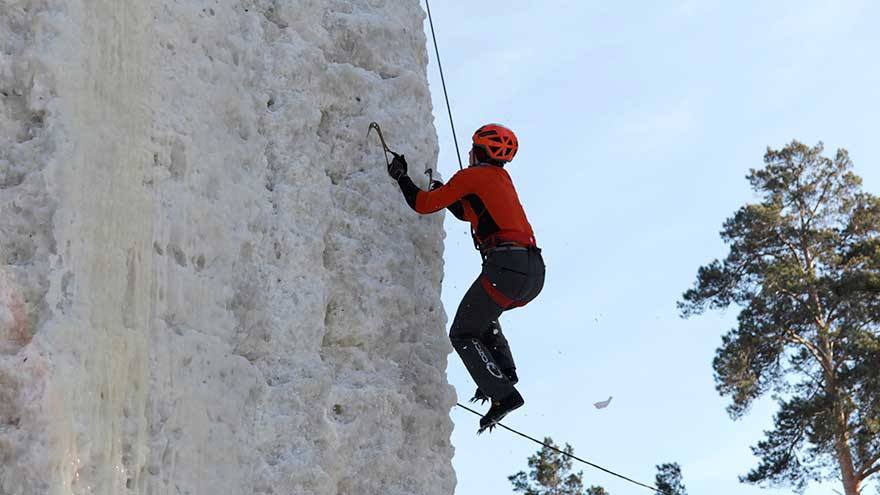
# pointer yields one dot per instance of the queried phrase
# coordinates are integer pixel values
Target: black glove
(397, 167)
(436, 184)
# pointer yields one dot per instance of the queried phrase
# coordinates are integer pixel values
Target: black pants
(510, 278)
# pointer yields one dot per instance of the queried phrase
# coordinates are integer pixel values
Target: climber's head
(493, 144)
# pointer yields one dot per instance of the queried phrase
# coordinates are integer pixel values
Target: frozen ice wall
(208, 283)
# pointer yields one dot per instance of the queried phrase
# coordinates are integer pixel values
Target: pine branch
(812, 348)
(821, 199)
(874, 469)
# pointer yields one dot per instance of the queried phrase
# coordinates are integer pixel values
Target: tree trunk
(851, 481)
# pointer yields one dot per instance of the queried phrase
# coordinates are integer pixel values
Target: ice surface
(208, 283)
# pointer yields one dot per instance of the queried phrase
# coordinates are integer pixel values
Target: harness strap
(507, 237)
(499, 297)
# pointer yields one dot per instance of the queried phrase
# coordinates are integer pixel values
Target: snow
(208, 283)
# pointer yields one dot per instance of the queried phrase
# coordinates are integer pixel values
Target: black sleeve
(457, 209)
(409, 189)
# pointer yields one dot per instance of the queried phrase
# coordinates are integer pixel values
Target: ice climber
(513, 269)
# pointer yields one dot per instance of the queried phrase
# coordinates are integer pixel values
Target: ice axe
(375, 126)
(385, 148)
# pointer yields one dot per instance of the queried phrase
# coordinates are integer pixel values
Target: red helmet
(497, 141)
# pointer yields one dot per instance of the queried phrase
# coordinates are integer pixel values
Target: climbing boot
(499, 410)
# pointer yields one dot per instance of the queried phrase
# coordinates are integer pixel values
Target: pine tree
(804, 269)
(550, 474)
(668, 480)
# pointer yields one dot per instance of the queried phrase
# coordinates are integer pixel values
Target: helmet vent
(499, 142)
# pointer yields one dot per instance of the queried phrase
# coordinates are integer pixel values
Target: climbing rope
(588, 463)
(443, 80)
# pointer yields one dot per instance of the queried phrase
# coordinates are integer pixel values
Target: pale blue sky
(638, 122)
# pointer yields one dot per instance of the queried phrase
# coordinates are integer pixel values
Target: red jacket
(483, 195)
